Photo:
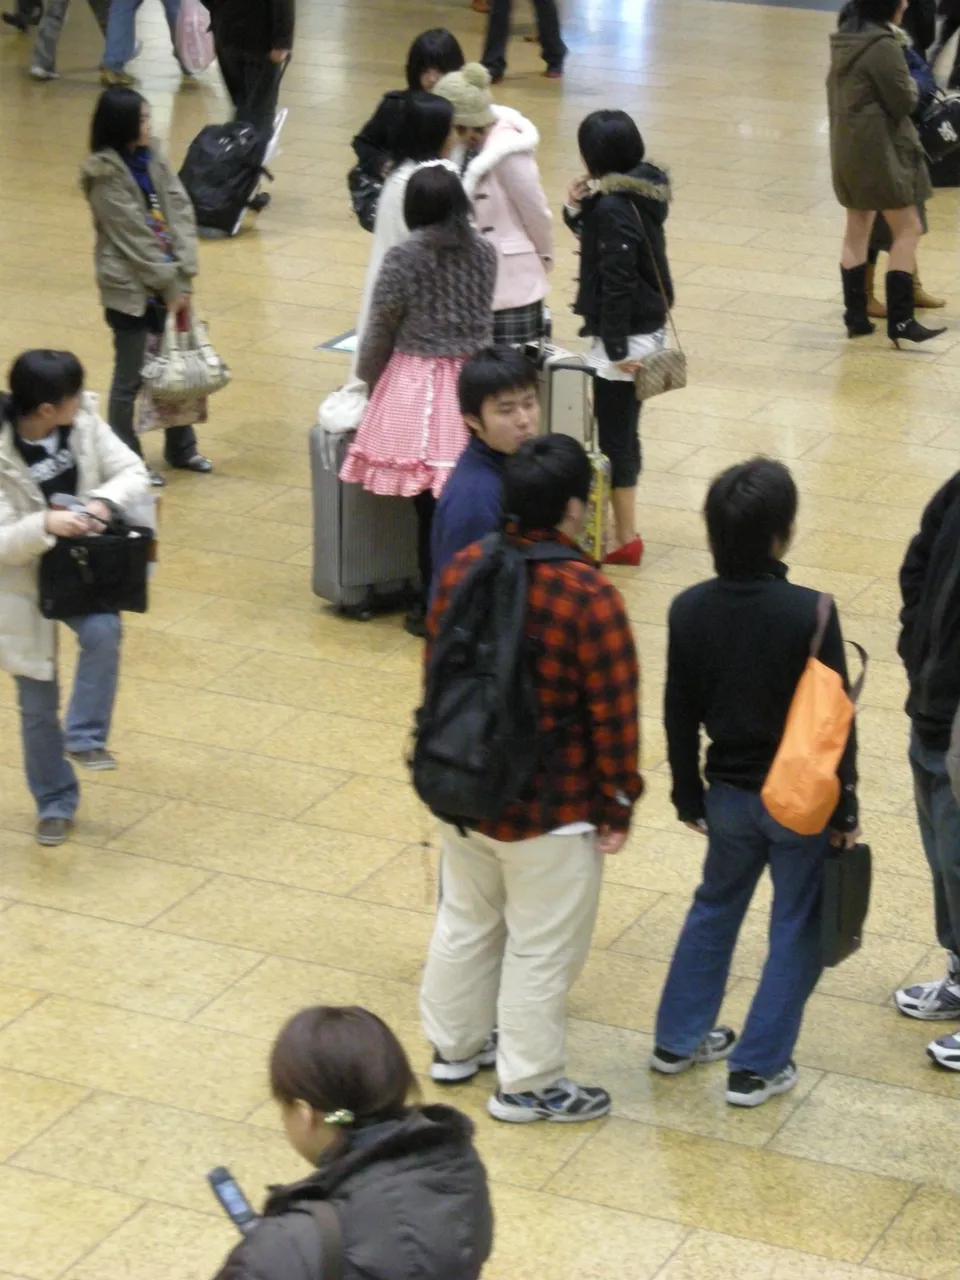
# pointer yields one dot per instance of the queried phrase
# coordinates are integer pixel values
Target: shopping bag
(193, 39)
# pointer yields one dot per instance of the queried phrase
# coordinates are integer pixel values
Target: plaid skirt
(517, 325)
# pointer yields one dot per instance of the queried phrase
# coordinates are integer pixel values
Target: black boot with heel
(902, 326)
(855, 301)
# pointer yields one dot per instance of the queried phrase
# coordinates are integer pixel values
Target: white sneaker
(933, 1001)
(945, 1052)
(563, 1102)
(41, 73)
(444, 1072)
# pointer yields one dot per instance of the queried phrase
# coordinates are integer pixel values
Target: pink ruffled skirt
(411, 433)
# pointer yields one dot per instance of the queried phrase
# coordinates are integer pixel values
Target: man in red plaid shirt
(520, 895)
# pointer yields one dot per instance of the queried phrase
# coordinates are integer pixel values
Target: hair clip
(339, 1117)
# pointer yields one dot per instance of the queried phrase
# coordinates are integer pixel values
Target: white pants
(512, 934)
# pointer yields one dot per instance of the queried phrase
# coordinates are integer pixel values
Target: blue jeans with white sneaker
(743, 841)
(50, 775)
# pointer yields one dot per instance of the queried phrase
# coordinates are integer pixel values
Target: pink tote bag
(193, 38)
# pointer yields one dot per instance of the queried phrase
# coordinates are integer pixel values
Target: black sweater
(374, 142)
(736, 651)
(930, 619)
(622, 248)
(254, 26)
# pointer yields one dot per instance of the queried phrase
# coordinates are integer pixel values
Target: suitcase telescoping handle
(580, 364)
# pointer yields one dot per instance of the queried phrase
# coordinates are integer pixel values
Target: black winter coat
(412, 1201)
(253, 26)
(374, 143)
(930, 618)
(619, 294)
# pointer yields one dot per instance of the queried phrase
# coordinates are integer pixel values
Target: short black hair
(41, 377)
(490, 372)
(610, 142)
(116, 120)
(423, 129)
(541, 478)
(878, 11)
(434, 194)
(435, 50)
(748, 508)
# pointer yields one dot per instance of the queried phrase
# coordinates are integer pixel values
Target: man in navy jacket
(498, 400)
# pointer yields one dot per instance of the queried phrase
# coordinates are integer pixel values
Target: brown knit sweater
(433, 297)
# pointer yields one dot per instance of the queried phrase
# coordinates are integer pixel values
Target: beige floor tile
(156, 1240)
(159, 1153)
(540, 1235)
(103, 813)
(342, 742)
(758, 1194)
(618, 989)
(150, 653)
(40, 1245)
(16, 1000)
(79, 957)
(216, 720)
(171, 1062)
(921, 1241)
(304, 926)
(167, 605)
(30, 1105)
(705, 1253)
(374, 807)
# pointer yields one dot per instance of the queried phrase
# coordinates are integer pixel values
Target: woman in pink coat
(502, 181)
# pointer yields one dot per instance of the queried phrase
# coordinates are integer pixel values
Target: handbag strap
(824, 608)
(656, 268)
(331, 1238)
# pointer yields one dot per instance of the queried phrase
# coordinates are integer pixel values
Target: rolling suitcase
(364, 546)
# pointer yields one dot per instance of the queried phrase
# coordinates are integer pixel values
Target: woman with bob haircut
(405, 1181)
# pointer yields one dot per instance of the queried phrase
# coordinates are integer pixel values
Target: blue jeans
(938, 818)
(743, 840)
(122, 30)
(50, 774)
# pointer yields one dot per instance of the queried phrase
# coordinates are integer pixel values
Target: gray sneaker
(747, 1089)
(714, 1047)
(562, 1102)
(42, 73)
(53, 831)
(97, 761)
(937, 1001)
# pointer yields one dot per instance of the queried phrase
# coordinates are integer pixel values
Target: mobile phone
(232, 1200)
(66, 502)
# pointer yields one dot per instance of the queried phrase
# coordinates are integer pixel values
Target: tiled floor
(259, 847)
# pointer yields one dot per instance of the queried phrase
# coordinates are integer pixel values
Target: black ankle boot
(855, 301)
(901, 324)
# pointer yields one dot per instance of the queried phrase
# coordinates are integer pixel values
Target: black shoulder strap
(541, 552)
(331, 1238)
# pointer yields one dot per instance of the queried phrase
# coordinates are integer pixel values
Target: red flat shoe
(480, 6)
(631, 553)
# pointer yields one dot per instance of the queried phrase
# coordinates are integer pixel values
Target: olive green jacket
(129, 262)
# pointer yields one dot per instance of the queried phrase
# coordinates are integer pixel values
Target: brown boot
(925, 301)
(875, 308)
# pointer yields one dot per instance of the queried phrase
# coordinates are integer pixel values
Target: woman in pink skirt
(432, 309)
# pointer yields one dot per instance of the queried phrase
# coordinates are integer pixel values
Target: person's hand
(844, 839)
(279, 55)
(100, 511)
(700, 826)
(66, 524)
(610, 842)
(628, 366)
(578, 189)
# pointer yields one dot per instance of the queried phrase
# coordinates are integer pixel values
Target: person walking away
(498, 397)
(520, 894)
(738, 645)
(502, 181)
(618, 210)
(253, 40)
(553, 49)
(432, 55)
(877, 161)
(404, 1181)
(27, 14)
(43, 58)
(121, 46)
(930, 649)
(431, 310)
(145, 255)
(52, 443)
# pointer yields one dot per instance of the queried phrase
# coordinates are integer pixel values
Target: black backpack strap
(331, 1238)
(543, 552)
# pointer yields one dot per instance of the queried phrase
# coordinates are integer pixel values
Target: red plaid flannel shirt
(587, 678)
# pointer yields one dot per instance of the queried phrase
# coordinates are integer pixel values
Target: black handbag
(847, 875)
(97, 573)
(939, 128)
(365, 192)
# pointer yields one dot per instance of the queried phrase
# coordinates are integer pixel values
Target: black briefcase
(102, 573)
(846, 900)
(939, 128)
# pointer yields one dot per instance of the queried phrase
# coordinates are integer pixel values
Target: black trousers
(253, 83)
(425, 504)
(617, 411)
(498, 33)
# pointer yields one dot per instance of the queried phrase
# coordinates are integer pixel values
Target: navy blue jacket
(470, 505)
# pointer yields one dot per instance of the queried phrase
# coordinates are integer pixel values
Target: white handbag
(184, 364)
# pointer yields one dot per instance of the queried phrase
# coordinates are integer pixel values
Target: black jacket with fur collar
(411, 1196)
(620, 225)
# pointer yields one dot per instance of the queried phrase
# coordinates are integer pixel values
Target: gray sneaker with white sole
(714, 1047)
(937, 1001)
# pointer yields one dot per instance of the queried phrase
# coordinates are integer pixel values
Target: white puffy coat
(106, 469)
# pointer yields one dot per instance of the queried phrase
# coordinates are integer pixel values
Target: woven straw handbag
(664, 370)
(184, 364)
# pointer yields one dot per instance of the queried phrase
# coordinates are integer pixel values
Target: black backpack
(477, 741)
(221, 172)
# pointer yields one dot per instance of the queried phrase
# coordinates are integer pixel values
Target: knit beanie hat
(468, 92)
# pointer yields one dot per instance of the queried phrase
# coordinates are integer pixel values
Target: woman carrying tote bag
(145, 255)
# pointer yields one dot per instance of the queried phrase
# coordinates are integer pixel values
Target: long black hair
(610, 142)
(435, 50)
(116, 120)
(424, 128)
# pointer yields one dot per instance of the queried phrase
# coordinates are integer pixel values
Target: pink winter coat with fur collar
(503, 182)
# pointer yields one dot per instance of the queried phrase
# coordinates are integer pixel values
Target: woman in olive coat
(877, 160)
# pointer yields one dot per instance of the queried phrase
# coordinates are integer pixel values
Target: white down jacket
(106, 469)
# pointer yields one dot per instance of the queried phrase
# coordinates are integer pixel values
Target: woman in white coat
(502, 180)
(53, 442)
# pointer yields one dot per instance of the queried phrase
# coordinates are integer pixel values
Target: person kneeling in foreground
(737, 647)
(520, 894)
(53, 442)
(407, 1186)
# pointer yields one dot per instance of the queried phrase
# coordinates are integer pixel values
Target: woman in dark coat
(877, 160)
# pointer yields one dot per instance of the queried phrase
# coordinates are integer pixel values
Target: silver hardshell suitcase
(364, 546)
(564, 379)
